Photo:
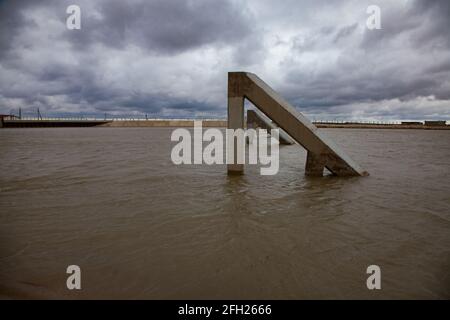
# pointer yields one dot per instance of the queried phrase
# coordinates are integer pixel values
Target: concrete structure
(256, 120)
(164, 123)
(50, 123)
(4, 117)
(322, 153)
(216, 123)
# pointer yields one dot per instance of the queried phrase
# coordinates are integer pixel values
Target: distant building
(435, 123)
(8, 117)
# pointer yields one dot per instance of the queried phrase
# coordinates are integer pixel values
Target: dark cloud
(345, 32)
(424, 24)
(11, 22)
(171, 57)
(166, 27)
(406, 59)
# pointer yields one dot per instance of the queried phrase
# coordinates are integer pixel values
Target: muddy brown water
(111, 201)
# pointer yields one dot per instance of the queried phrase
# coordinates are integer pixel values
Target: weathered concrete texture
(235, 121)
(257, 120)
(322, 153)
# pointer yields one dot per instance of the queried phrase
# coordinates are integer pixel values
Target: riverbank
(16, 123)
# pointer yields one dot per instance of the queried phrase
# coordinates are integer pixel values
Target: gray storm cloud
(171, 58)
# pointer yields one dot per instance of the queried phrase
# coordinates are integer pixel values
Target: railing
(143, 118)
(113, 119)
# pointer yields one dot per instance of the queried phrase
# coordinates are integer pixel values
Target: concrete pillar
(235, 121)
(315, 164)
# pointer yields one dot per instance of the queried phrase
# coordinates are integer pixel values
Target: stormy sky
(169, 58)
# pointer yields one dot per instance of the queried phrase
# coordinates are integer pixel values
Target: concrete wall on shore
(379, 126)
(164, 123)
(190, 123)
(223, 124)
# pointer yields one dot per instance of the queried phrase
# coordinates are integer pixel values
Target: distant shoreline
(190, 123)
(223, 123)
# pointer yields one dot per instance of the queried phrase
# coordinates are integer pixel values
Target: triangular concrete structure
(322, 152)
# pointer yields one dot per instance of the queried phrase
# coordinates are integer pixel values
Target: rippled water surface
(111, 201)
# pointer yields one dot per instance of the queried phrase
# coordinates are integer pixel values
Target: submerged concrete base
(315, 165)
(322, 152)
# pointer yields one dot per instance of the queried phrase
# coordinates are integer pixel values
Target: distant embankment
(163, 123)
(381, 126)
(46, 123)
(49, 123)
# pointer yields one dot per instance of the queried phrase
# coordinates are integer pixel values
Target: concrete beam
(322, 152)
(257, 120)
